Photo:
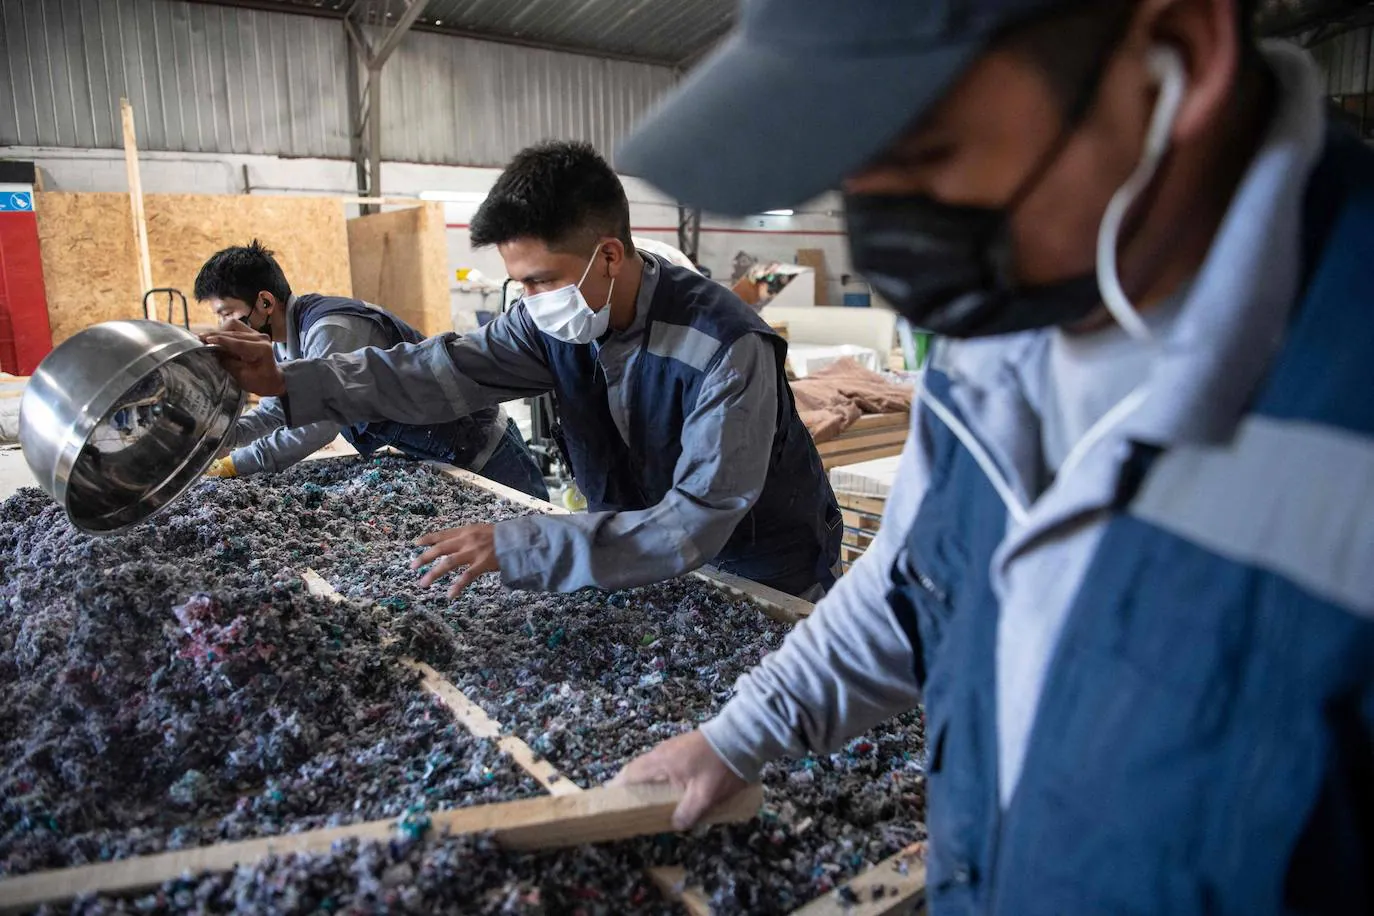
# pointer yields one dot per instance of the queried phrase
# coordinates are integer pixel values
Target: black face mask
(947, 269)
(266, 324)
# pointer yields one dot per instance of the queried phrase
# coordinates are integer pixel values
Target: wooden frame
(568, 816)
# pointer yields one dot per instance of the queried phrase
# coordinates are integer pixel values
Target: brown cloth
(831, 399)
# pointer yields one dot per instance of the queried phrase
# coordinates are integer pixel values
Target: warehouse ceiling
(679, 32)
(670, 32)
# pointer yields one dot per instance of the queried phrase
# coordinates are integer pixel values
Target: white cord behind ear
(1166, 64)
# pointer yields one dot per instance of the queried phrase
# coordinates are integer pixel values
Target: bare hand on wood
(687, 762)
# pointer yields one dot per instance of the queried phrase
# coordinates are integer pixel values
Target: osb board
(90, 270)
(306, 234)
(400, 262)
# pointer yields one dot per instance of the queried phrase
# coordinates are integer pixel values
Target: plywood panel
(400, 262)
(90, 270)
(307, 234)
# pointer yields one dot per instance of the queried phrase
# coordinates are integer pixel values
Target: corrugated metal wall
(1345, 62)
(465, 102)
(201, 78)
(211, 79)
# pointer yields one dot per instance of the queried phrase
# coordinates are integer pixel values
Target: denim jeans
(513, 465)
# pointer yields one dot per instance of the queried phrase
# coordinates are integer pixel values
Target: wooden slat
(839, 461)
(498, 489)
(858, 539)
(549, 822)
(895, 885)
(778, 605)
(471, 716)
(876, 438)
(670, 881)
(873, 421)
(864, 521)
(145, 268)
(874, 505)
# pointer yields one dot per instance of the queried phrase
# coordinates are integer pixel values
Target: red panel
(25, 335)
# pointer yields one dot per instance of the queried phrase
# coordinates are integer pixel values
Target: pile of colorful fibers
(589, 679)
(592, 679)
(153, 696)
(448, 875)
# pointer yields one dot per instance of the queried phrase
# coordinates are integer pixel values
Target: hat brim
(752, 129)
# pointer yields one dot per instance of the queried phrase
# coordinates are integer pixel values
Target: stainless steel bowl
(122, 418)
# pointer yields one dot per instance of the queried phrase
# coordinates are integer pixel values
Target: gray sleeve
(727, 440)
(269, 415)
(841, 671)
(434, 381)
(280, 447)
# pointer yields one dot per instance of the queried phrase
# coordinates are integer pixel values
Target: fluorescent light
(777, 212)
(455, 197)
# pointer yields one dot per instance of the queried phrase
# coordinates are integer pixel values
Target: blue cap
(803, 92)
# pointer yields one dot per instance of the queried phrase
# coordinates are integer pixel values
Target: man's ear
(612, 257)
(265, 300)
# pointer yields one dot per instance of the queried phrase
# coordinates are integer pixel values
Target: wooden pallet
(863, 515)
(877, 435)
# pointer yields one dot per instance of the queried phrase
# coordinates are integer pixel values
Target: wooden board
(90, 264)
(306, 234)
(848, 443)
(858, 502)
(863, 454)
(549, 822)
(400, 262)
(894, 886)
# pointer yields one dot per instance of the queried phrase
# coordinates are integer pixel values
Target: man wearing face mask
(1126, 564)
(245, 284)
(676, 416)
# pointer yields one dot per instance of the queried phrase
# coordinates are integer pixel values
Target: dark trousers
(513, 465)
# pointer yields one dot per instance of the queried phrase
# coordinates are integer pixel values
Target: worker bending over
(1128, 560)
(676, 415)
(246, 283)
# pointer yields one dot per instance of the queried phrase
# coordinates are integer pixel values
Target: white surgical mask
(564, 315)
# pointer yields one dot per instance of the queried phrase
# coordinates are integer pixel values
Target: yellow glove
(223, 467)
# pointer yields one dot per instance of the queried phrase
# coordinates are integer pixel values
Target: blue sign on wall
(16, 201)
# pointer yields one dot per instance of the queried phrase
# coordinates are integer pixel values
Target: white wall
(652, 214)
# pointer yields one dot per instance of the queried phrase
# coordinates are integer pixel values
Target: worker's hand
(687, 762)
(248, 357)
(223, 467)
(473, 546)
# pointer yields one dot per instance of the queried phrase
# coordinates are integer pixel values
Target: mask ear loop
(588, 268)
(1166, 64)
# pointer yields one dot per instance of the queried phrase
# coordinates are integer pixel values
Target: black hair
(241, 272)
(1071, 46)
(562, 193)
